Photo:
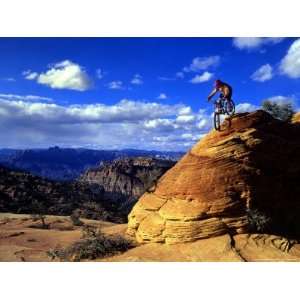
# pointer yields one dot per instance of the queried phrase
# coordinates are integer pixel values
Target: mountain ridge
(67, 164)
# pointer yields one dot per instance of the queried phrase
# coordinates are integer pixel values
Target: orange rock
(296, 118)
(253, 164)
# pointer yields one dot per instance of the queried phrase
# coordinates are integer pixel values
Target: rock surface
(20, 241)
(296, 118)
(252, 163)
(224, 248)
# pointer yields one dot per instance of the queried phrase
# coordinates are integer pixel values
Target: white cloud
(202, 63)
(264, 73)
(62, 75)
(30, 75)
(26, 98)
(162, 96)
(290, 64)
(206, 76)
(254, 42)
(185, 119)
(125, 124)
(99, 73)
(161, 124)
(186, 110)
(245, 107)
(124, 111)
(115, 85)
(137, 79)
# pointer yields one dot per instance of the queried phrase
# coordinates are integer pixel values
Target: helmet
(218, 83)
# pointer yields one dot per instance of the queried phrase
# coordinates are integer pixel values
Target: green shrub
(281, 111)
(75, 218)
(97, 245)
(38, 214)
(258, 222)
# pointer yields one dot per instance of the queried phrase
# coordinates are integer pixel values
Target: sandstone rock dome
(252, 164)
(296, 118)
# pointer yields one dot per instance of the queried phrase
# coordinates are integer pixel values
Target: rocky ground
(20, 242)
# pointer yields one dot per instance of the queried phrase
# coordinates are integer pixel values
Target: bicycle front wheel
(229, 107)
(217, 121)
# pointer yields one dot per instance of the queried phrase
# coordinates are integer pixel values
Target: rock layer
(252, 163)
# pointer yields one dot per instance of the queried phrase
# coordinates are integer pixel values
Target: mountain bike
(222, 107)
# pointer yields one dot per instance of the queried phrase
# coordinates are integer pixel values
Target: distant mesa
(253, 165)
(125, 180)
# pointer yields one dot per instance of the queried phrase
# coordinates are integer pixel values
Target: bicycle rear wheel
(229, 107)
(217, 121)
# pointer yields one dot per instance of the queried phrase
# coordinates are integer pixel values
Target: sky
(142, 93)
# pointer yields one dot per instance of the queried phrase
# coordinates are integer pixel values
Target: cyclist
(222, 87)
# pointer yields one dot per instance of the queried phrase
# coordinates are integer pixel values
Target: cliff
(125, 180)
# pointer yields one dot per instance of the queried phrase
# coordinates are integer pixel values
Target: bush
(281, 111)
(38, 214)
(258, 221)
(97, 245)
(75, 218)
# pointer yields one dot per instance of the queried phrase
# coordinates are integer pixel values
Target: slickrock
(296, 118)
(252, 163)
(240, 248)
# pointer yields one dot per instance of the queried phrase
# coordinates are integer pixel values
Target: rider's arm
(214, 91)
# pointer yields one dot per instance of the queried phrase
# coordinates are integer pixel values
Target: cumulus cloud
(185, 119)
(245, 107)
(62, 75)
(137, 79)
(254, 42)
(162, 96)
(115, 85)
(125, 124)
(290, 64)
(161, 124)
(185, 110)
(263, 74)
(206, 76)
(202, 63)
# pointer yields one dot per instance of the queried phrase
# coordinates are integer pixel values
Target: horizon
(134, 93)
(93, 149)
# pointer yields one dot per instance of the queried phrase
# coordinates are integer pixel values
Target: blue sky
(147, 93)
